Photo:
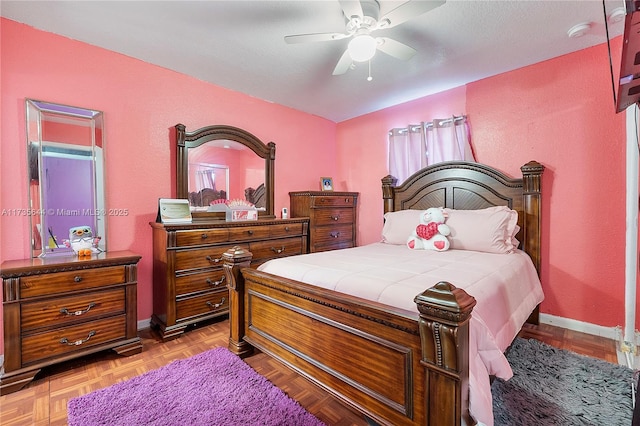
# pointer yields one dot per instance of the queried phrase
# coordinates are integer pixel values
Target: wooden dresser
(61, 307)
(188, 280)
(332, 218)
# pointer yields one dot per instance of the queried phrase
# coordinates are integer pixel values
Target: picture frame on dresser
(326, 184)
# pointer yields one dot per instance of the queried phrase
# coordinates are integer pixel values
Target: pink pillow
(490, 230)
(399, 225)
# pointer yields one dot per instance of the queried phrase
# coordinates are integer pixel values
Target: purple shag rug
(213, 388)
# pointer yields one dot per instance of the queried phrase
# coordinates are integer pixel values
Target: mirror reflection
(65, 151)
(224, 170)
(218, 163)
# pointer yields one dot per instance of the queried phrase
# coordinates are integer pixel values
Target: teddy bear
(431, 233)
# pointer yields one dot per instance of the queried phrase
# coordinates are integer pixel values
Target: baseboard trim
(575, 325)
(144, 324)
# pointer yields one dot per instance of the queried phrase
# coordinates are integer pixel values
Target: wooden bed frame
(394, 366)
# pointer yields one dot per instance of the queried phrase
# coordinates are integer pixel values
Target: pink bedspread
(505, 286)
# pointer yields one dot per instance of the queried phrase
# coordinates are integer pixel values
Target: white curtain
(419, 145)
(206, 179)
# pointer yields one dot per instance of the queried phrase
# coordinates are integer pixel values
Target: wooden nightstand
(332, 217)
(61, 307)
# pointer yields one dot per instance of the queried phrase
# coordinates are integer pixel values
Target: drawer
(245, 233)
(341, 235)
(203, 236)
(276, 248)
(207, 304)
(285, 230)
(63, 311)
(333, 201)
(203, 257)
(332, 216)
(65, 340)
(202, 281)
(62, 282)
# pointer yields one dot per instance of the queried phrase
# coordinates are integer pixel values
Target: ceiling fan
(363, 19)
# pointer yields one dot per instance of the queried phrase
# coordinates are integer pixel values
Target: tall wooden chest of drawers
(332, 217)
(188, 280)
(61, 307)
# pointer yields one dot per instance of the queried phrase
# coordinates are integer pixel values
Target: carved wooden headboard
(205, 196)
(471, 186)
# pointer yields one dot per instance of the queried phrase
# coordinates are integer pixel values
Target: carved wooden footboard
(391, 365)
(394, 366)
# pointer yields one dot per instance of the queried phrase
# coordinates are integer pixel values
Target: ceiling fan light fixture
(362, 47)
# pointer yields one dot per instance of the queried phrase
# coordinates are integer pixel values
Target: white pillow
(398, 226)
(490, 230)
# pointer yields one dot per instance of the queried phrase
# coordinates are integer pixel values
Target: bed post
(388, 182)
(444, 332)
(531, 186)
(235, 259)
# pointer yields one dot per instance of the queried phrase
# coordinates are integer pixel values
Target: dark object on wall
(629, 82)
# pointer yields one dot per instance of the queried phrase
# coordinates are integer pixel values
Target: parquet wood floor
(44, 401)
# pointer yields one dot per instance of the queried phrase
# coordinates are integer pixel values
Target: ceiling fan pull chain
(369, 78)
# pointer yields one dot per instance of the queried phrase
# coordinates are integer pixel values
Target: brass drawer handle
(216, 305)
(66, 341)
(347, 200)
(77, 278)
(212, 260)
(204, 236)
(336, 218)
(334, 234)
(77, 313)
(278, 251)
(215, 283)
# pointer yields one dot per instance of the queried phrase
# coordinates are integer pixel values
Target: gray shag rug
(556, 387)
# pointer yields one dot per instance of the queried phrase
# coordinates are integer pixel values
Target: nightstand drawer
(333, 216)
(61, 282)
(200, 237)
(206, 304)
(333, 201)
(68, 310)
(65, 340)
(202, 281)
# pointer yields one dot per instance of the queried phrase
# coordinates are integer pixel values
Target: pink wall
(559, 112)
(141, 104)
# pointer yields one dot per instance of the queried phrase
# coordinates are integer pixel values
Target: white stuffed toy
(431, 233)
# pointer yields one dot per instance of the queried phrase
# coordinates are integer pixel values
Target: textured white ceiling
(240, 44)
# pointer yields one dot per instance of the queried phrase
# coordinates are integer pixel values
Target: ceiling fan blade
(407, 11)
(351, 8)
(310, 38)
(343, 64)
(395, 48)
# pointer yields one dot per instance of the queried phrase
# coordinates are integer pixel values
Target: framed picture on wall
(326, 184)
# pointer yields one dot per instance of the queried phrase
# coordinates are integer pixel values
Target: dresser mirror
(219, 163)
(65, 154)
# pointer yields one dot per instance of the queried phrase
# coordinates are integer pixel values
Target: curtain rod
(428, 125)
